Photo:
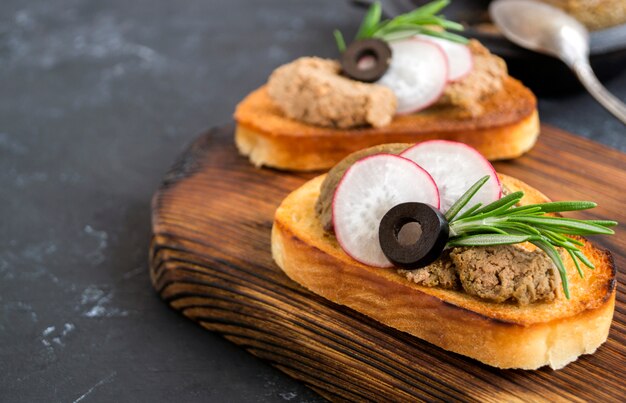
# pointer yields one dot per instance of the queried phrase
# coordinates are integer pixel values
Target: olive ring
(366, 60)
(421, 252)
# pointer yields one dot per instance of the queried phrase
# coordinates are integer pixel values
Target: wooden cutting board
(210, 259)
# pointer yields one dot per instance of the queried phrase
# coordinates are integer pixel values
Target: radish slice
(455, 167)
(417, 75)
(460, 59)
(367, 191)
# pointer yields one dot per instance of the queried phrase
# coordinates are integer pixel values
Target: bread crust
(502, 335)
(507, 128)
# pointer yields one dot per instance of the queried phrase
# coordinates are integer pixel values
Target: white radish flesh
(455, 167)
(417, 74)
(367, 191)
(459, 56)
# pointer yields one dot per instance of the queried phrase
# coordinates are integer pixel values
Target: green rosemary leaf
(576, 241)
(567, 241)
(465, 198)
(407, 25)
(392, 31)
(485, 229)
(431, 8)
(469, 211)
(502, 201)
(604, 223)
(564, 224)
(397, 35)
(575, 260)
(521, 227)
(503, 208)
(581, 256)
(341, 43)
(488, 240)
(559, 240)
(530, 209)
(445, 35)
(556, 258)
(554, 235)
(431, 20)
(447, 24)
(370, 21)
(391, 28)
(554, 207)
(564, 230)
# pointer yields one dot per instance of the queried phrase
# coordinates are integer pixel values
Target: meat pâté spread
(313, 90)
(485, 78)
(519, 273)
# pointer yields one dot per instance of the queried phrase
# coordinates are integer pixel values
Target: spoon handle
(589, 80)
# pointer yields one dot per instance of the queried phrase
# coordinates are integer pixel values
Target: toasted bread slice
(507, 128)
(499, 334)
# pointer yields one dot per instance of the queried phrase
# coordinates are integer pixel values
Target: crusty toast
(507, 128)
(499, 334)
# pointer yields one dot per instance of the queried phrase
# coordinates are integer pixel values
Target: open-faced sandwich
(429, 240)
(402, 80)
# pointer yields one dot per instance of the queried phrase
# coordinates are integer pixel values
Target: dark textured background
(96, 100)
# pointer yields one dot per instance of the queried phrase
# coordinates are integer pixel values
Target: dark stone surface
(96, 100)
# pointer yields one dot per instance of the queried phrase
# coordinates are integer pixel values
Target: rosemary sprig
(503, 222)
(341, 43)
(419, 21)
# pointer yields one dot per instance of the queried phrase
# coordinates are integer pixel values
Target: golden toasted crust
(502, 335)
(507, 128)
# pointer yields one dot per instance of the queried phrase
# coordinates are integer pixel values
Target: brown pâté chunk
(312, 90)
(440, 273)
(485, 78)
(501, 273)
(506, 272)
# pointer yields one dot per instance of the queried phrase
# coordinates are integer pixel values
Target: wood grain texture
(210, 259)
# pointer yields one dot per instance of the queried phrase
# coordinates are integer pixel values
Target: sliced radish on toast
(459, 56)
(366, 192)
(455, 167)
(417, 74)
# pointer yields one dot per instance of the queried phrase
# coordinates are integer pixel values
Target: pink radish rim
(443, 87)
(341, 182)
(469, 52)
(485, 160)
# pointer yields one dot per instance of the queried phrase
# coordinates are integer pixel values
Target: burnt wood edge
(190, 160)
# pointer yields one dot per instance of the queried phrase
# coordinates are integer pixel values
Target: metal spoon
(547, 29)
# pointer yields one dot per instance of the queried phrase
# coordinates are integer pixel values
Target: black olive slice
(366, 60)
(402, 241)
